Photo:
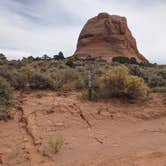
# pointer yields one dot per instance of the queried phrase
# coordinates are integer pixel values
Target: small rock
(26, 156)
(38, 142)
(59, 124)
(25, 139)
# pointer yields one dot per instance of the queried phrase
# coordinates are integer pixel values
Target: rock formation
(107, 36)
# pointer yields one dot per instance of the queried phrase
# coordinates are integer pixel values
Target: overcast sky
(37, 27)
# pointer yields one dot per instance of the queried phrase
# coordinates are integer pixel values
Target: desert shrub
(34, 79)
(22, 77)
(148, 64)
(14, 64)
(81, 82)
(154, 76)
(135, 70)
(70, 63)
(132, 60)
(156, 80)
(58, 80)
(77, 80)
(65, 77)
(16, 79)
(159, 89)
(6, 93)
(46, 57)
(41, 81)
(162, 72)
(8, 74)
(76, 84)
(136, 87)
(123, 60)
(69, 75)
(27, 70)
(118, 83)
(60, 56)
(114, 82)
(29, 59)
(2, 57)
(85, 95)
(19, 81)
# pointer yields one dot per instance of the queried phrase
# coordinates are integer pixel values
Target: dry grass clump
(56, 144)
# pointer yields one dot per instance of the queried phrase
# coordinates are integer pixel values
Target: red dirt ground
(103, 133)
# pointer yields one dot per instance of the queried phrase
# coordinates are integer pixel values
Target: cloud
(48, 26)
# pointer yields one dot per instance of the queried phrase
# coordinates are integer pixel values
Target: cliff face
(107, 36)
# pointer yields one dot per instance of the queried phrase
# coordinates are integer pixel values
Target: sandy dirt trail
(103, 133)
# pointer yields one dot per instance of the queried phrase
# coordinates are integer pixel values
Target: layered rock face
(107, 36)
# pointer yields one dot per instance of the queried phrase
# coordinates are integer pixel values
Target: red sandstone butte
(107, 36)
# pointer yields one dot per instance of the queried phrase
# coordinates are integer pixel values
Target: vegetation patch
(66, 74)
(118, 83)
(124, 60)
(56, 144)
(6, 99)
(6, 93)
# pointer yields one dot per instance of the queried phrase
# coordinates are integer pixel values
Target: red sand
(103, 133)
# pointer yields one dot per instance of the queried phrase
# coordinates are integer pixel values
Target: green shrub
(60, 56)
(133, 61)
(123, 60)
(120, 59)
(156, 81)
(2, 57)
(41, 81)
(70, 63)
(45, 57)
(6, 93)
(154, 76)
